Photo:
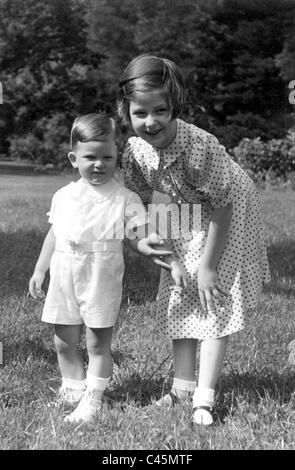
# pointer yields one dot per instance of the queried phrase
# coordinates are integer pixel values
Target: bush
(47, 143)
(265, 160)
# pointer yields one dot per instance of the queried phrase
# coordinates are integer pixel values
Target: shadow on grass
(137, 389)
(20, 351)
(252, 388)
(234, 390)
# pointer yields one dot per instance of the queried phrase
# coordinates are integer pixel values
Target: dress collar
(169, 154)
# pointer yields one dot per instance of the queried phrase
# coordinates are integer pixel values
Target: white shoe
(202, 415)
(87, 410)
(69, 396)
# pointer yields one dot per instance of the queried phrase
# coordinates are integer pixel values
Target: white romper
(195, 170)
(87, 266)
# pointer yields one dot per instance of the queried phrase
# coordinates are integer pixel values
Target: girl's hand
(35, 284)
(145, 246)
(210, 289)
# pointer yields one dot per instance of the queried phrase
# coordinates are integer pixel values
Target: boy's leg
(67, 339)
(184, 357)
(98, 374)
(212, 355)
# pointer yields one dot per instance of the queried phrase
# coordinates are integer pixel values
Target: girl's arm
(149, 243)
(42, 265)
(208, 283)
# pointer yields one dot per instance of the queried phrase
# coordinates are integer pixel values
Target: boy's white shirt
(82, 213)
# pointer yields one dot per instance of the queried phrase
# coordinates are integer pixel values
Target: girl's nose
(98, 163)
(150, 121)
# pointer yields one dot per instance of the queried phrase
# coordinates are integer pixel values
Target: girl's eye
(139, 113)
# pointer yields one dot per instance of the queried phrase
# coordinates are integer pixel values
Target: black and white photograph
(147, 228)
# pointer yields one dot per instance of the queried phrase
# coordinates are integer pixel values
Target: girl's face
(150, 117)
(96, 161)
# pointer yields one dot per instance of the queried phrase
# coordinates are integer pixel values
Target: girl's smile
(150, 117)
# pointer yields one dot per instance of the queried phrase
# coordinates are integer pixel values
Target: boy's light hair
(146, 73)
(94, 127)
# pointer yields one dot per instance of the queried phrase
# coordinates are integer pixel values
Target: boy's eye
(108, 157)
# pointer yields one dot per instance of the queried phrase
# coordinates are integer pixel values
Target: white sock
(96, 385)
(71, 390)
(181, 387)
(73, 384)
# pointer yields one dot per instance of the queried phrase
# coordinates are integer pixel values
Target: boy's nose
(98, 163)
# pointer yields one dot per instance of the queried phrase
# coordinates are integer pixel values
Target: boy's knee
(63, 346)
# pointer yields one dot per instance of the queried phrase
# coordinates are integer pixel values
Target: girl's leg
(184, 382)
(212, 355)
(98, 375)
(66, 339)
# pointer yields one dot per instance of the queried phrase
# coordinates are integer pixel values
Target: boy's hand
(210, 289)
(35, 285)
(178, 275)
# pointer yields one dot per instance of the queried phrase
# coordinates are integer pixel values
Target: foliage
(63, 58)
(275, 157)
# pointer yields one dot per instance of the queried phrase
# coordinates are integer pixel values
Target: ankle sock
(181, 388)
(73, 384)
(71, 390)
(96, 385)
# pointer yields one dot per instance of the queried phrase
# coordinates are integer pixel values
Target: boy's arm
(42, 265)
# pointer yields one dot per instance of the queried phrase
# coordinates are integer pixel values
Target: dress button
(164, 167)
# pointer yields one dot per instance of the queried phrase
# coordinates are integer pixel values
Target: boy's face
(96, 161)
(150, 117)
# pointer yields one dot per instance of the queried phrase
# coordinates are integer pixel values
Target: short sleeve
(215, 173)
(135, 214)
(133, 175)
(52, 213)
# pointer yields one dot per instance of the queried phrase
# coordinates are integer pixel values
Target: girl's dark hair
(148, 72)
(94, 126)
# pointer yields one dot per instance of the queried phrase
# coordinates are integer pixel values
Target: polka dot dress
(196, 175)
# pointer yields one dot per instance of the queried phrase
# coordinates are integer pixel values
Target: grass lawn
(255, 400)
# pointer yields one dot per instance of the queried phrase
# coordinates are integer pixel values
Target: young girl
(85, 253)
(225, 260)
